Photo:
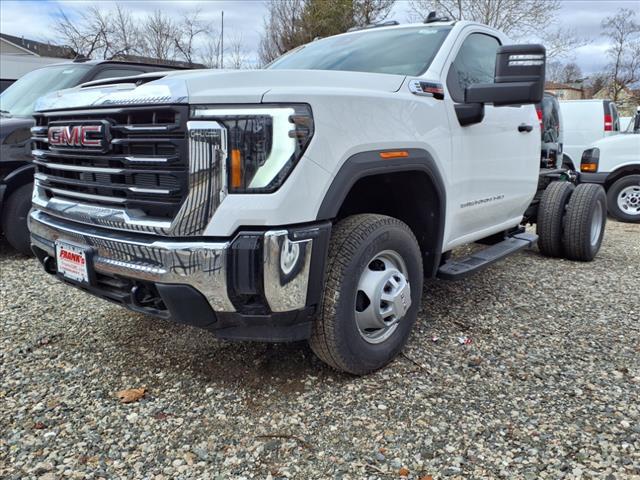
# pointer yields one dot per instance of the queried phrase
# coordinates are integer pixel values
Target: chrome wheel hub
(629, 200)
(383, 296)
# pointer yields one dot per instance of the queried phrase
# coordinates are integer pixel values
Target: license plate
(72, 261)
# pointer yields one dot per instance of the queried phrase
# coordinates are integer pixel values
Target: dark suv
(16, 110)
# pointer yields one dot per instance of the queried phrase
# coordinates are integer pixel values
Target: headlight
(590, 159)
(264, 142)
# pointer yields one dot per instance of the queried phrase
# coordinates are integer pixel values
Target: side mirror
(519, 77)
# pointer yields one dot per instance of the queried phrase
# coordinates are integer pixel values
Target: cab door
(495, 160)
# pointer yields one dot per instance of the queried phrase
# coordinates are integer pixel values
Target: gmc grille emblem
(77, 136)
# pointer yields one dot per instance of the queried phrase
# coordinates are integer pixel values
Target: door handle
(525, 128)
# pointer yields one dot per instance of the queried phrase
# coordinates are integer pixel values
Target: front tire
(372, 294)
(623, 199)
(14, 219)
(584, 222)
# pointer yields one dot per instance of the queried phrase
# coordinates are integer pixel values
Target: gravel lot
(549, 388)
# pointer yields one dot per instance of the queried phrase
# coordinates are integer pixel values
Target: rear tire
(14, 219)
(371, 258)
(623, 199)
(549, 225)
(585, 222)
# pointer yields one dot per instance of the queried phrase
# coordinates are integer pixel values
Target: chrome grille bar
(160, 173)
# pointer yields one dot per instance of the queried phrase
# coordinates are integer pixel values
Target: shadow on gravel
(198, 356)
(7, 251)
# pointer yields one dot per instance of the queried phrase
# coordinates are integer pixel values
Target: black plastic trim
(245, 273)
(186, 305)
(599, 178)
(276, 327)
(321, 236)
(366, 164)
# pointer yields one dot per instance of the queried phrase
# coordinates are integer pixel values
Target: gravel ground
(548, 388)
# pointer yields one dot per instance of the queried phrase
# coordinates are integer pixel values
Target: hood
(249, 86)
(215, 86)
(621, 141)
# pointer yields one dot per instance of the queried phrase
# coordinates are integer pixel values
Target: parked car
(614, 163)
(549, 116)
(308, 200)
(585, 122)
(16, 105)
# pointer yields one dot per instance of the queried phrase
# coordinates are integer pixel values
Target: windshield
(399, 51)
(19, 98)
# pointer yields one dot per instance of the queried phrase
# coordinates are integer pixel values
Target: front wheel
(624, 199)
(372, 293)
(584, 222)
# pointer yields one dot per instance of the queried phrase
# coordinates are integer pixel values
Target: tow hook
(49, 265)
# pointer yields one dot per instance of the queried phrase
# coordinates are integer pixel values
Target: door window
(475, 63)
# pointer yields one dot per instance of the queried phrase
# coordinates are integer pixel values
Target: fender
(15, 179)
(365, 164)
(631, 168)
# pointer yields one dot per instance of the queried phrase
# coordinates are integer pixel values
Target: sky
(36, 19)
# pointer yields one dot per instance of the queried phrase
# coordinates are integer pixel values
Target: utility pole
(222, 42)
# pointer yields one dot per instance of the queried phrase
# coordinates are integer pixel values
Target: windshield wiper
(5, 113)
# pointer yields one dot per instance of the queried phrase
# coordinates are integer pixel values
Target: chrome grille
(160, 173)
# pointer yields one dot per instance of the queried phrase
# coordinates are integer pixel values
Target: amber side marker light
(589, 167)
(394, 154)
(236, 168)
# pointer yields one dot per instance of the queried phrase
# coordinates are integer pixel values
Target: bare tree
(282, 29)
(553, 72)
(366, 12)
(624, 53)
(189, 28)
(561, 43)
(85, 36)
(159, 34)
(514, 17)
(291, 23)
(237, 53)
(571, 73)
(126, 36)
(597, 82)
(209, 53)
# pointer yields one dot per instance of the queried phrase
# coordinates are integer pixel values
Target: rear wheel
(14, 219)
(550, 219)
(585, 222)
(623, 199)
(372, 293)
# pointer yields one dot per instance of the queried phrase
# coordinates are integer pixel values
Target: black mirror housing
(519, 77)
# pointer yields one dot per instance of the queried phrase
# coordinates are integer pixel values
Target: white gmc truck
(308, 200)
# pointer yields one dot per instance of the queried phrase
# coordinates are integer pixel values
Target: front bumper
(260, 285)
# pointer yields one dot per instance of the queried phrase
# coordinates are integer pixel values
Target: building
(566, 91)
(628, 99)
(19, 55)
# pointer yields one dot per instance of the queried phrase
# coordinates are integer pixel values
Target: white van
(583, 123)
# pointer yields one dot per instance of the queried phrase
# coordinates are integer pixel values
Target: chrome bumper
(202, 265)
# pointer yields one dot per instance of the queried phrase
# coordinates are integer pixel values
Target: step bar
(457, 269)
